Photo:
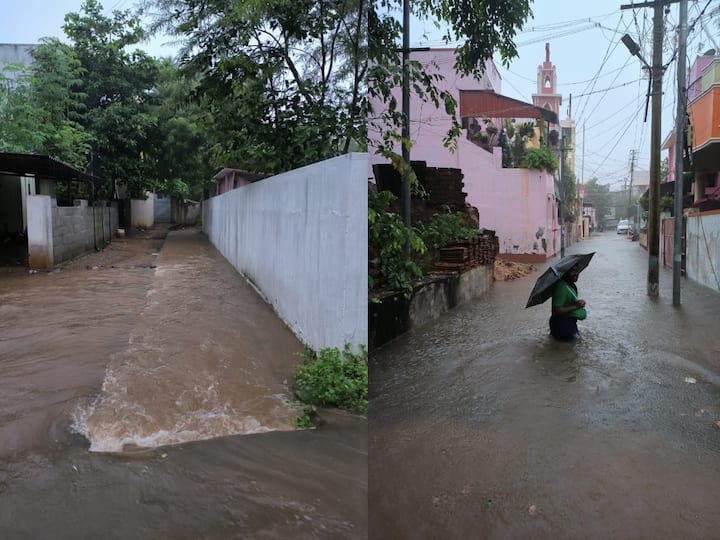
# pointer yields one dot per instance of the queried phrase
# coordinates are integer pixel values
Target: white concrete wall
(702, 249)
(40, 231)
(142, 212)
(301, 238)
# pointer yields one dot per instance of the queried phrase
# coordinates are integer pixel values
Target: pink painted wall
(519, 204)
(694, 88)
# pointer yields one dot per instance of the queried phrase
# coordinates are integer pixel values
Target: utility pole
(561, 189)
(582, 167)
(656, 76)
(632, 170)
(679, 146)
(653, 275)
(405, 193)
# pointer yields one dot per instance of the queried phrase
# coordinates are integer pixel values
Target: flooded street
(158, 342)
(482, 426)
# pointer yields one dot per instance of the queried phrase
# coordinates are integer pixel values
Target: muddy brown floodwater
(144, 394)
(482, 426)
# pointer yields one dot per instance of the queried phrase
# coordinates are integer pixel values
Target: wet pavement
(158, 342)
(482, 426)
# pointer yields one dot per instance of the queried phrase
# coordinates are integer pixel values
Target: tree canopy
(599, 196)
(282, 80)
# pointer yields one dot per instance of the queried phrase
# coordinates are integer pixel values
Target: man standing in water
(567, 308)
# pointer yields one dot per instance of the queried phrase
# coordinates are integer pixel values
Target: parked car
(623, 226)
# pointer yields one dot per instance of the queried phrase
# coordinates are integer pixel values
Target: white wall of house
(40, 233)
(301, 238)
(702, 251)
(142, 212)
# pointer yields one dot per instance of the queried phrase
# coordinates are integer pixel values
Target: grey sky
(26, 21)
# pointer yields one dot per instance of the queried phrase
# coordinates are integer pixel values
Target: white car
(623, 226)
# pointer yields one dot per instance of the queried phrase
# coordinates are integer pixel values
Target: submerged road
(482, 426)
(162, 345)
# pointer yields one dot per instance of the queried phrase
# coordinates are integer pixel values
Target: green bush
(333, 378)
(540, 159)
(446, 228)
(386, 239)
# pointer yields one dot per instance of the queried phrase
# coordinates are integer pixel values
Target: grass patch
(332, 378)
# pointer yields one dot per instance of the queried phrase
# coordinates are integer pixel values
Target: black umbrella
(544, 285)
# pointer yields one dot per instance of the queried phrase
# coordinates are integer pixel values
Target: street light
(634, 48)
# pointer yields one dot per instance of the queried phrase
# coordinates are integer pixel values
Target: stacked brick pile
(464, 256)
(445, 187)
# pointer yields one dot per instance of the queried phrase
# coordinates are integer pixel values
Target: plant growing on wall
(386, 240)
(332, 378)
(540, 159)
(444, 229)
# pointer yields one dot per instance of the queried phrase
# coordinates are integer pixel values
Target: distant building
(14, 53)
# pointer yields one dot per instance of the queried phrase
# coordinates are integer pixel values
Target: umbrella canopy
(544, 285)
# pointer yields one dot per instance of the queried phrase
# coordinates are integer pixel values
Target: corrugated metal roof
(479, 103)
(41, 166)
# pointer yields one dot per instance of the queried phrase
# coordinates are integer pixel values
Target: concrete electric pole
(656, 74)
(405, 192)
(679, 146)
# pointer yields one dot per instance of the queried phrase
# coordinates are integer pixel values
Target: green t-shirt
(565, 295)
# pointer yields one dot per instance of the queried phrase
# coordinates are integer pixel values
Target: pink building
(229, 178)
(518, 204)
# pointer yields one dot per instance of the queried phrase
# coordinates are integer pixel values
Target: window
(548, 84)
(711, 179)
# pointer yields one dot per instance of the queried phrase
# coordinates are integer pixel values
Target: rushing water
(482, 426)
(117, 354)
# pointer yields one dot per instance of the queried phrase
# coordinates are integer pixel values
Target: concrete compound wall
(702, 248)
(59, 233)
(142, 212)
(40, 235)
(301, 238)
(393, 315)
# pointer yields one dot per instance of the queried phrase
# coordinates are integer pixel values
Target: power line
(591, 86)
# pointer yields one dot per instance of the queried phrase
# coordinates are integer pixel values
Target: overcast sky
(26, 21)
(607, 84)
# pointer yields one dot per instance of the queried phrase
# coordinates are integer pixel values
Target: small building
(48, 212)
(231, 178)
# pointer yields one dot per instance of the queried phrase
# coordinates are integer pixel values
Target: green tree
(599, 196)
(179, 150)
(40, 109)
(118, 86)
